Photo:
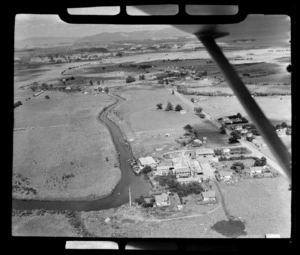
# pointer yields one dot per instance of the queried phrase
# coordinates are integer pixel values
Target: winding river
(138, 184)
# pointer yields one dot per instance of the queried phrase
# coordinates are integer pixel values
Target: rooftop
(161, 198)
(182, 170)
(224, 173)
(147, 160)
(209, 194)
(204, 151)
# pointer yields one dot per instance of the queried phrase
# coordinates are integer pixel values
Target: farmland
(63, 152)
(147, 127)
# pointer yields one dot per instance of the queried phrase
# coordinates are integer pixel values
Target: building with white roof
(205, 152)
(147, 161)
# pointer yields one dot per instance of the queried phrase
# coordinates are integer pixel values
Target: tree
(235, 134)
(169, 107)
(284, 125)
(222, 130)
(139, 200)
(278, 126)
(238, 166)
(98, 82)
(198, 110)
(232, 140)
(192, 100)
(188, 128)
(91, 82)
(260, 162)
(159, 106)
(47, 97)
(178, 108)
(239, 115)
(141, 77)
(119, 54)
(146, 169)
(130, 79)
(106, 90)
(172, 91)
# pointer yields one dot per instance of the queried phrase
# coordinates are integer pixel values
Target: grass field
(265, 205)
(64, 152)
(276, 108)
(43, 225)
(141, 121)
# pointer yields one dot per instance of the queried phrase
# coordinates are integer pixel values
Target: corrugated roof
(209, 194)
(205, 151)
(147, 161)
(161, 198)
(182, 170)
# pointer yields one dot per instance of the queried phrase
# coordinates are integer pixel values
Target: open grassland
(43, 225)
(276, 108)
(64, 152)
(154, 222)
(264, 204)
(141, 121)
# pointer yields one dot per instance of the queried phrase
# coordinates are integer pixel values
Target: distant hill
(103, 38)
(258, 30)
(44, 42)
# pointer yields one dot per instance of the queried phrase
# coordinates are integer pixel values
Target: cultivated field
(63, 152)
(265, 205)
(146, 127)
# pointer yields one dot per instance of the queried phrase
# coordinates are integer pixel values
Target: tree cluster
(260, 162)
(130, 79)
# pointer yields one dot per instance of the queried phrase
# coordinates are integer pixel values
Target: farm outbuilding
(147, 161)
(209, 195)
(162, 200)
(205, 152)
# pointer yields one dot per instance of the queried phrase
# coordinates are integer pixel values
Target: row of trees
(169, 107)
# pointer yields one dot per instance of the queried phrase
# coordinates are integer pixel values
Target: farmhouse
(209, 195)
(189, 179)
(224, 175)
(162, 200)
(196, 168)
(204, 152)
(256, 170)
(182, 172)
(147, 161)
(281, 132)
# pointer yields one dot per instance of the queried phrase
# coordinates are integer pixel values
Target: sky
(34, 25)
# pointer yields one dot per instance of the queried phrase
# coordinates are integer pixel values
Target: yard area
(64, 152)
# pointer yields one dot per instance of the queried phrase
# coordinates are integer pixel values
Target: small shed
(209, 195)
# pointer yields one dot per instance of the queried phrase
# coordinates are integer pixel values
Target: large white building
(147, 161)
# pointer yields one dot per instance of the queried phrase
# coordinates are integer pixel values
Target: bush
(169, 107)
(188, 128)
(130, 79)
(178, 108)
(202, 115)
(146, 169)
(159, 106)
(236, 165)
(260, 162)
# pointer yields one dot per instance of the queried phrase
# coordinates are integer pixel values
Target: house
(197, 141)
(224, 175)
(243, 131)
(208, 171)
(147, 161)
(195, 178)
(209, 195)
(256, 170)
(162, 170)
(281, 132)
(182, 172)
(162, 200)
(68, 88)
(238, 127)
(196, 168)
(226, 151)
(205, 152)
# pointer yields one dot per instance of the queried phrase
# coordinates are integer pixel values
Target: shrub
(178, 108)
(169, 107)
(130, 79)
(146, 169)
(159, 106)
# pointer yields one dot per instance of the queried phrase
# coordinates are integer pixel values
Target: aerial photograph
(132, 131)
